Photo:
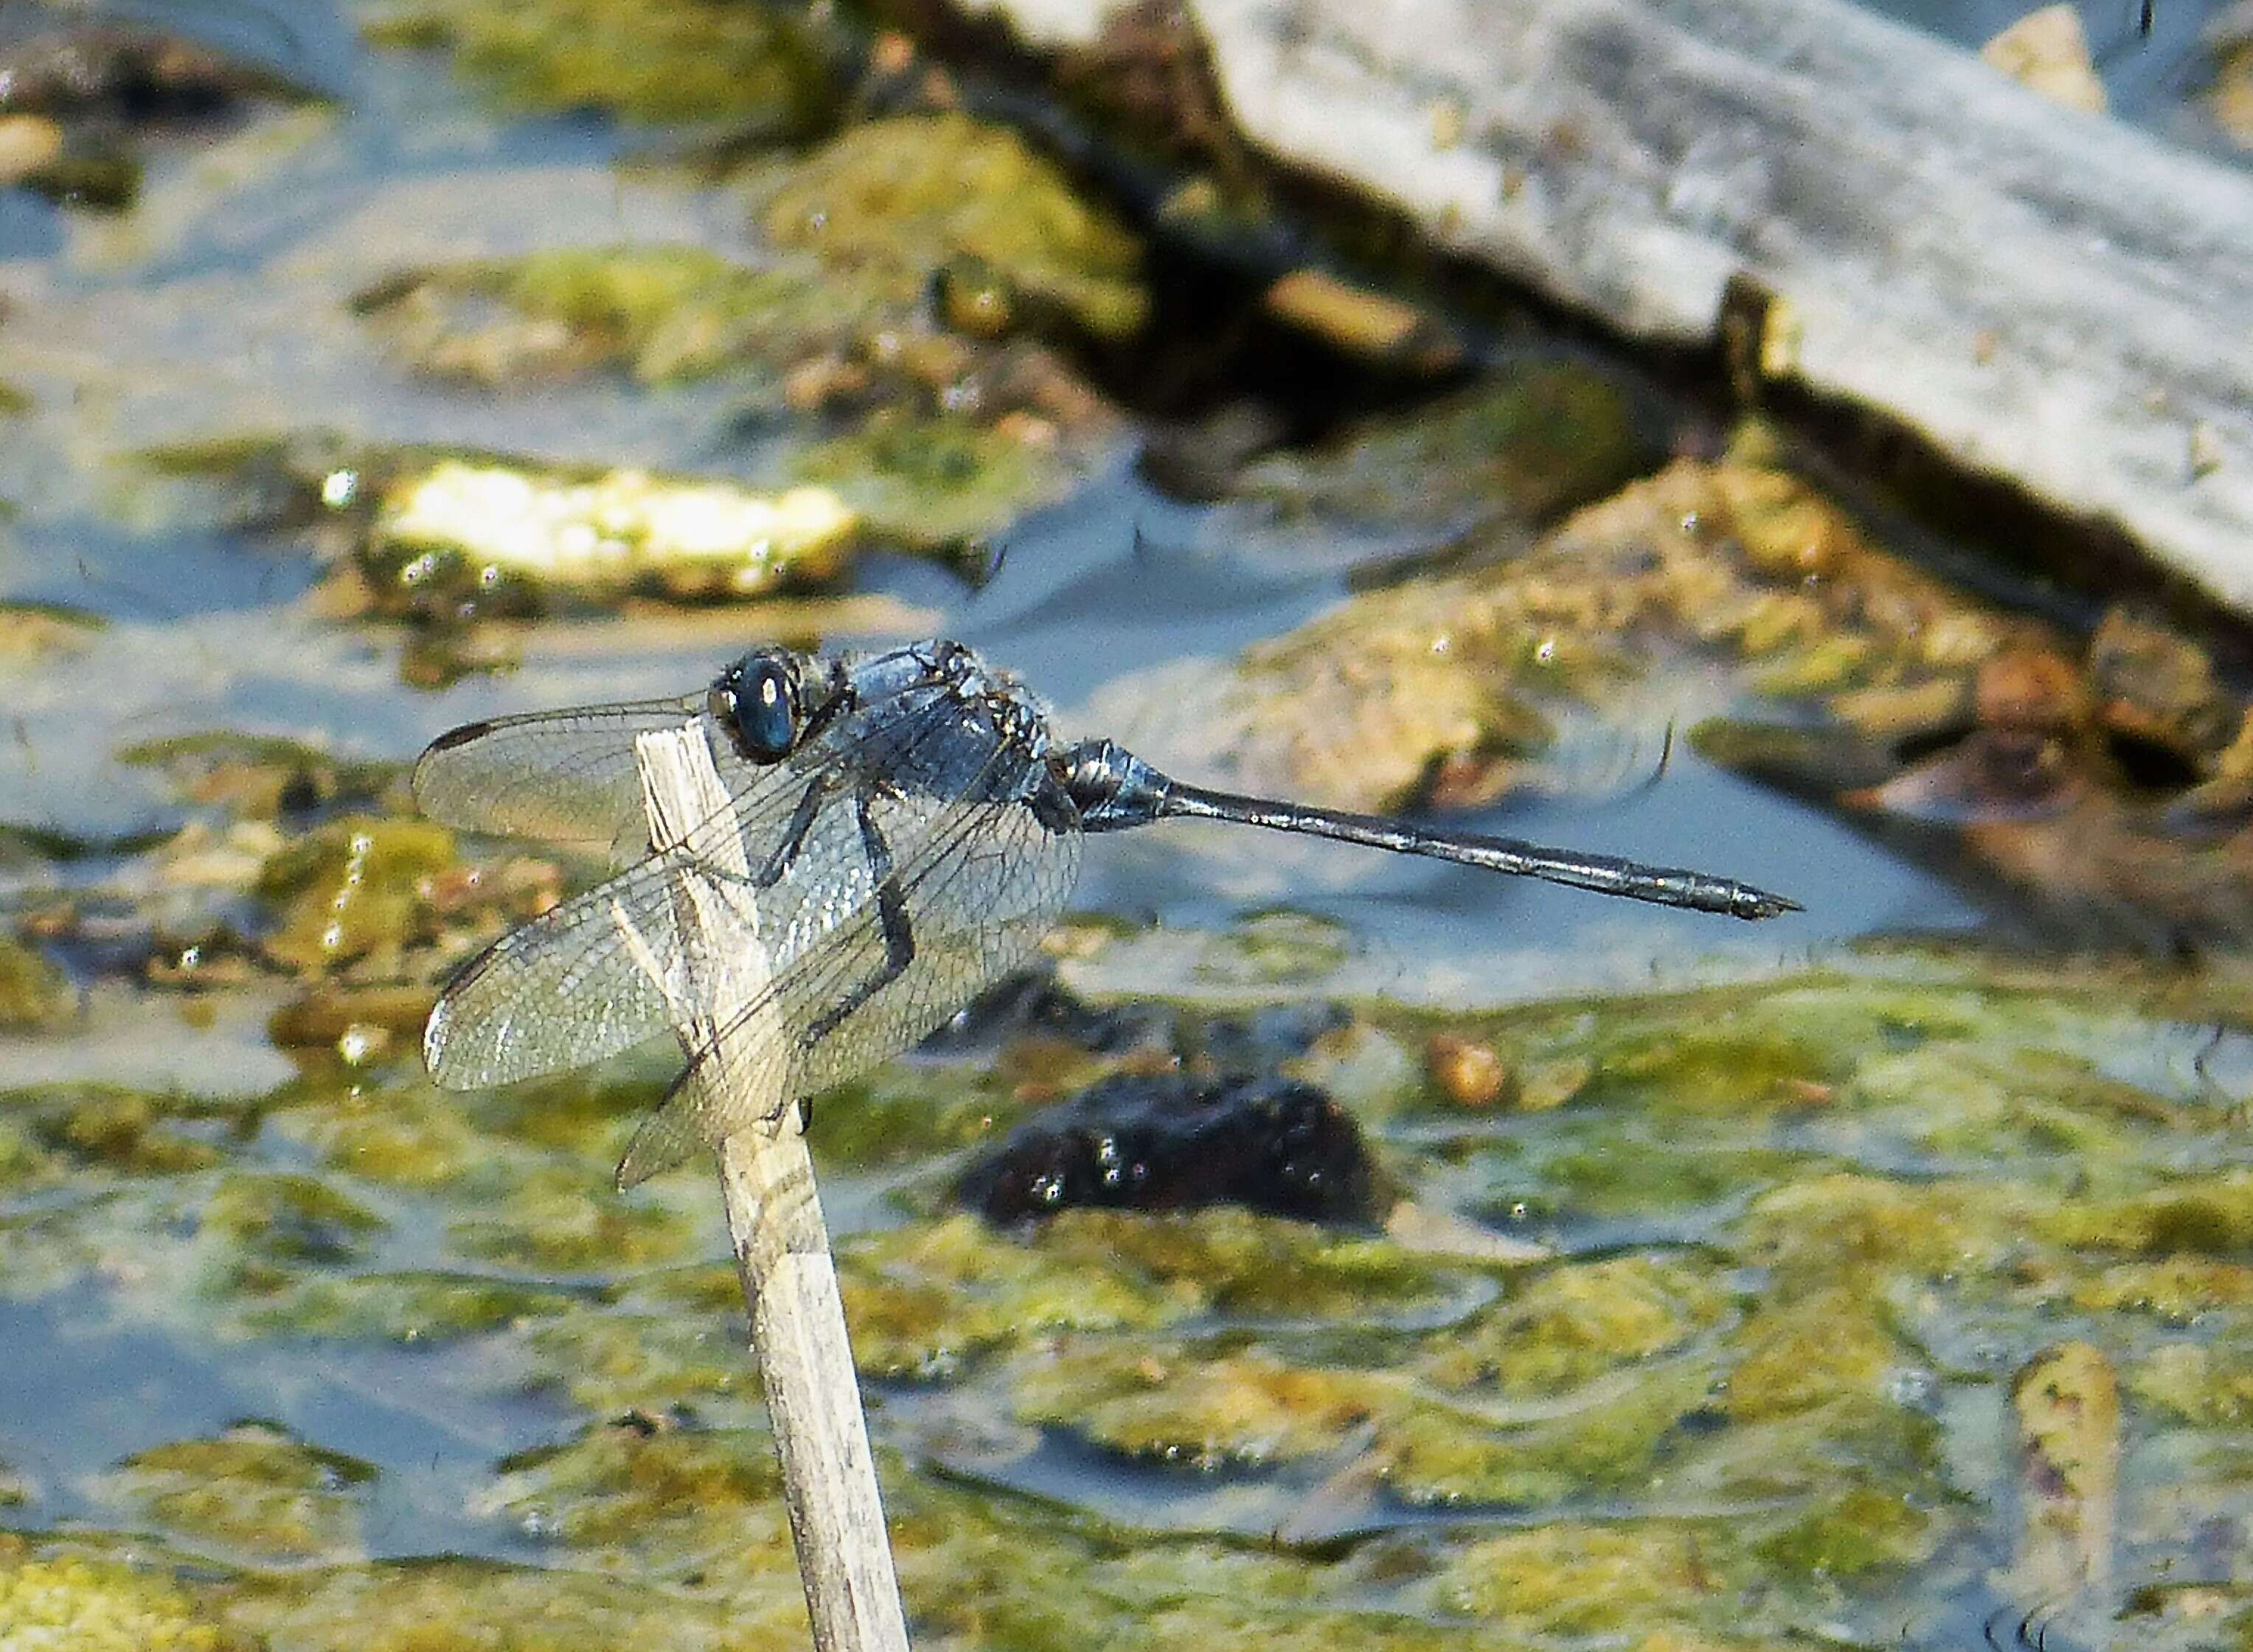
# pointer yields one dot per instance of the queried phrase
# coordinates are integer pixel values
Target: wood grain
(775, 1224)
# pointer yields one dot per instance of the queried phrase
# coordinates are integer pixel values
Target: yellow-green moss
(904, 195)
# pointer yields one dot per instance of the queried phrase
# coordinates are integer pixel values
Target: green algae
(1527, 443)
(359, 885)
(1774, 1369)
(260, 776)
(1577, 1322)
(102, 1605)
(754, 69)
(35, 995)
(638, 1490)
(664, 313)
(1571, 1578)
(2199, 1382)
(1800, 1353)
(569, 1220)
(115, 1128)
(932, 483)
(925, 1300)
(1612, 1443)
(252, 1490)
(403, 1135)
(42, 634)
(2190, 1216)
(289, 1218)
(900, 198)
(1194, 1407)
(417, 1309)
(441, 1605)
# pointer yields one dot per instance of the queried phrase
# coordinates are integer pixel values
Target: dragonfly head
(1112, 788)
(761, 702)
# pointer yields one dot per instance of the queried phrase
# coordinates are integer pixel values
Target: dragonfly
(910, 826)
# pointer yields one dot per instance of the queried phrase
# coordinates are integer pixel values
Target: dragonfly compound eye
(765, 696)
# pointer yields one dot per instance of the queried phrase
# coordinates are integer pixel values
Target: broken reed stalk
(774, 1222)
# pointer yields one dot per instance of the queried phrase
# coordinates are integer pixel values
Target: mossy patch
(1574, 1323)
(904, 195)
(125, 1131)
(91, 1605)
(664, 313)
(676, 61)
(260, 776)
(1531, 441)
(2197, 1383)
(417, 1309)
(35, 995)
(932, 483)
(1571, 1578)
(1196, 1409)
(1797, 1353)
(254, 1490)
(566, 1221)
(609, 1364)
(356, 887)
(635, 1488)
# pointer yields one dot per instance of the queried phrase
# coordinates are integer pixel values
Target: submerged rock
(1172, 1142)
(488, 534)
(261, 775)
(357, 886)
(665, 313)
(253, 1489)
(898, 199)
(35, 995)
(756, 70)
(1526, 443)
(2067, 1406)
(81, 94)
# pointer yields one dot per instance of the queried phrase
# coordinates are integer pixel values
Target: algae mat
(1848, 1305)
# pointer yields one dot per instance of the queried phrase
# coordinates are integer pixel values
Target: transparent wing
(984, 882)
(572, 986)
(565, 775)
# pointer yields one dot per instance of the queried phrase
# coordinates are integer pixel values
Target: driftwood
(2045, 297)
(774, 1222)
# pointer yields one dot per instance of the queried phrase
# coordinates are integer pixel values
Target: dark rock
(1173, 1141)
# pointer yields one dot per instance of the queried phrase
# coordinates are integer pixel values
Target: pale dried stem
(774, 1215)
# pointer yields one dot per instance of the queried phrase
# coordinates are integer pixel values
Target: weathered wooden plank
(2046, 295)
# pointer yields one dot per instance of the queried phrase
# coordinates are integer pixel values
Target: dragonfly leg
(777, 865)
(892, 918)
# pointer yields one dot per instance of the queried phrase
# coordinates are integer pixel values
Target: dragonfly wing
(980, 882)
(565, 775)
(577, 983)
(572, 986)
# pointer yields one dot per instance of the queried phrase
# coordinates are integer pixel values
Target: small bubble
(339, 489)
(1546, 653)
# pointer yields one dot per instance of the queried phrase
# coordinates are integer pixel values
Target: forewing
(982, 882)
(564, 775)
(575, 984)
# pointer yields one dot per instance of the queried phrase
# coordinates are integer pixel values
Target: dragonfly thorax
(1112, 787)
